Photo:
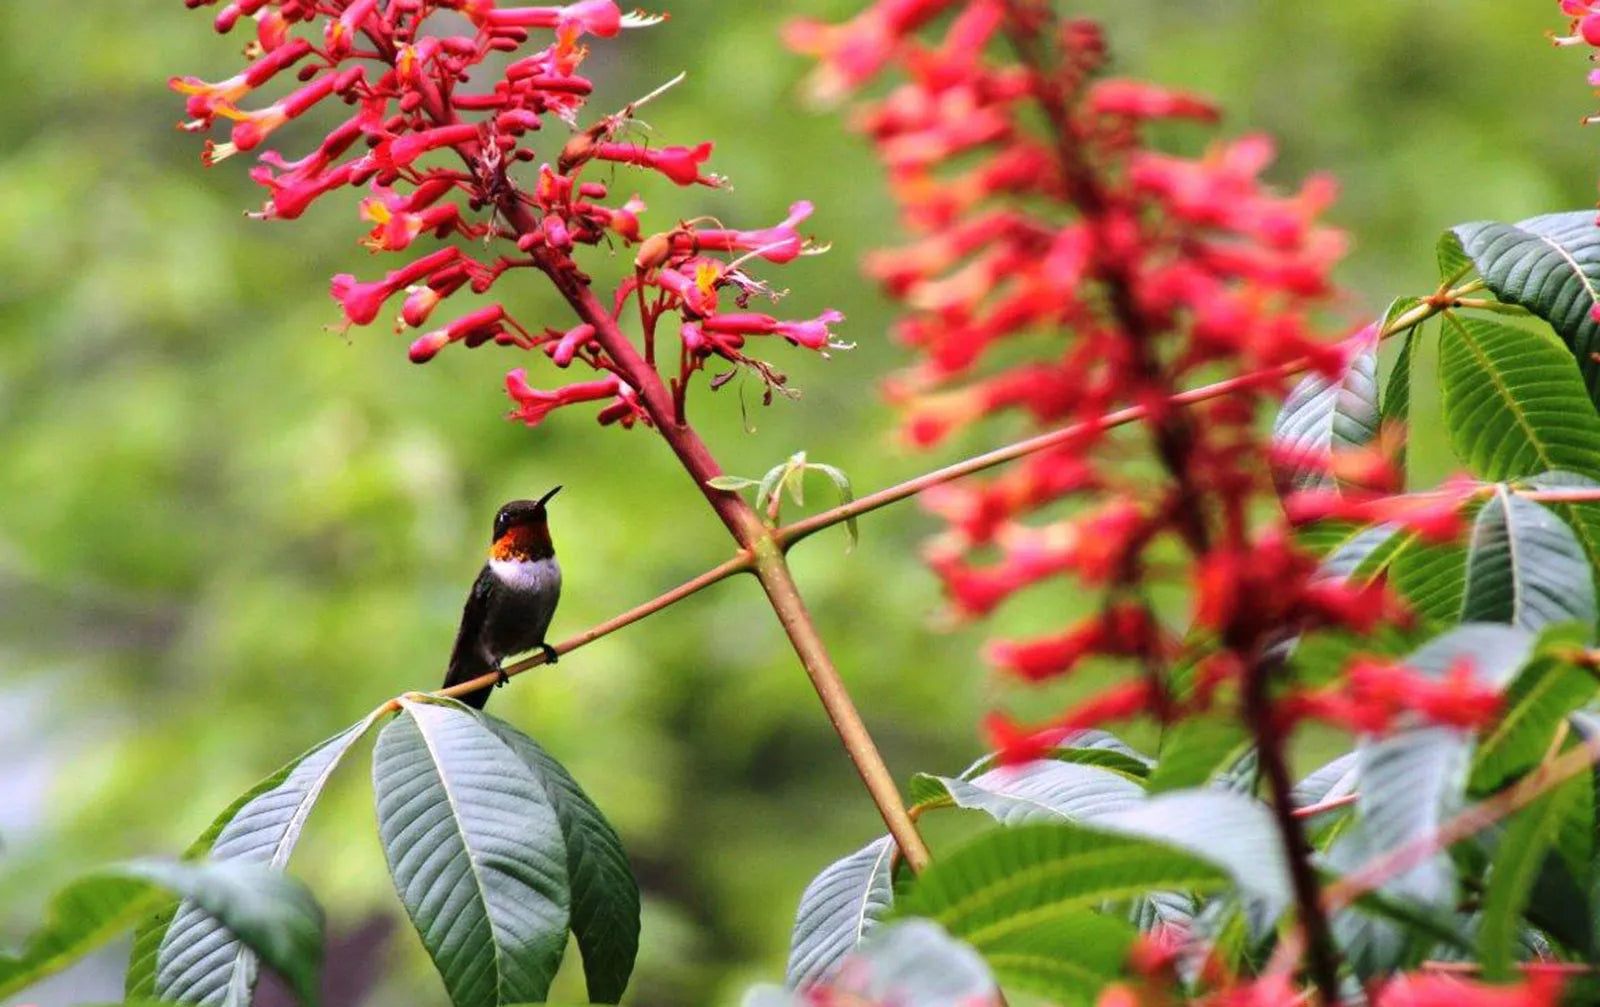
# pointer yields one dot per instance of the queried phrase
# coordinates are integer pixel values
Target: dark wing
(467, 660)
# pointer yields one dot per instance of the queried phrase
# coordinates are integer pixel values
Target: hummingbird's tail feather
(464, 668)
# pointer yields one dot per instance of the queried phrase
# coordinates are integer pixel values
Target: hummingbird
(512, 600)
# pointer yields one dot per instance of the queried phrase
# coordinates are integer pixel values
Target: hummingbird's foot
(502, 678)
(550, 654)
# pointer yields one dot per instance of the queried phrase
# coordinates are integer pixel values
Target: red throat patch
(523, 542)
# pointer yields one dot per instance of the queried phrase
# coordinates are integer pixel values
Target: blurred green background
(225, 533)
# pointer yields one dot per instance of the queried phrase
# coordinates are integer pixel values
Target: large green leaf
(605, 896)
(1088, 748)
(1514, 402)
(80, 917)
(1323, 416)
(265, 910)
(1525, 567)
(1043, 790)
(1550, 265)
(838, 909)
(1008, 880)
(1536, 704)
(1518, 857)
(197, 961)
(476, 852)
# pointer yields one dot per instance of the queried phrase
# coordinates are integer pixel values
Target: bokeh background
(225, 532)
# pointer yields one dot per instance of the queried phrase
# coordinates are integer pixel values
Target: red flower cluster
(440, 150)
(1039, 211)
(1374, 696)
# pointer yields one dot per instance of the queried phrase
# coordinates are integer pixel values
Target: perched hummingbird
(512, 600)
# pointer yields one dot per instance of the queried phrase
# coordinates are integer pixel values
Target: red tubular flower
(596, 17)
(474, 329)
(534, 405)
(775, 244)
(363, 301)
(680, 164)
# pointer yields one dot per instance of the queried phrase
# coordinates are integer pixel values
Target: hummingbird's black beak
(547, 496)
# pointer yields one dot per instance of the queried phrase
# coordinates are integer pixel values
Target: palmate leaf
(476, 852)
(193, 958)
(840, 907)
(1550, 265)
(1525, 567)
(1323, 416)
(1514, 402)
(605, 896)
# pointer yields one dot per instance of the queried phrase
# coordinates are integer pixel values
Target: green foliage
(1550, 265)
(909, 962)
(1044, 790)
(81, 917)
(999, 889)
(1323, 416)
(1537, 702)
(185, 953)
(605, 896)
(476, 851)
(1525, 567)
(1195, 750)
(263, 910)
(1514, 402)
(840, 907)
(1519, 855)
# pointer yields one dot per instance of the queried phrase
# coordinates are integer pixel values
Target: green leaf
(265, 910)
(1396, 401)
(1088, 748)
(1453, 260)
(1043, 790)
(1536, 704)
(1514, 402)
(1582, 518)
(476, 852)
(1195, 750)
(1006, 881)
(1433, 578)
(909, 962)
(1408, 784)
(1517, 860)
(1525, 567)
(1227, 829)
(841, 482)
(81, 916)
(1550, 265)
(196, 960)
(841, 906)
(1067, 959)
(1323, 416)
(605, 896)
(731, 483)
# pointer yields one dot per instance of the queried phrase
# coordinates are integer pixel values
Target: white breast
(527, 574)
